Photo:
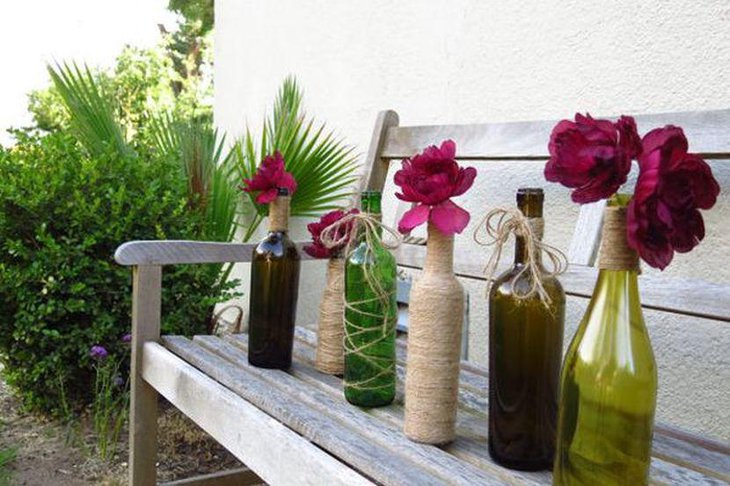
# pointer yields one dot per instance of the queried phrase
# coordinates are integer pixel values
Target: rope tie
(616, 254)
(498, 225)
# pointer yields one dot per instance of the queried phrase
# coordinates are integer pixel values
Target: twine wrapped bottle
(609, 377)
(525, 351)
(436, 311)
(330, 354)
(274, 291)
(370, 315)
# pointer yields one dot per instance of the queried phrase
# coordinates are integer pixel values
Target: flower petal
(413, 217)
(449, 218)
(265, 197)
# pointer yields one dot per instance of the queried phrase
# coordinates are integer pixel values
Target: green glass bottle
(370, 316)
(609, 378)
(525, 352)
(274, 291)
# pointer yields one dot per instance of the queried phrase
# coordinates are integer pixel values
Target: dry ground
(52, 454)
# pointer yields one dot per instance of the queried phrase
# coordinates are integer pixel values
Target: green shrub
(62, 214)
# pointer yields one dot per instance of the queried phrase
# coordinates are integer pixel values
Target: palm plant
(322, 164)
(92, 113)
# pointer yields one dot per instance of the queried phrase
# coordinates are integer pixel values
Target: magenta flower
(431, 179)
(592, 156)
(317, 248)
(269, 177)
(663, 216)
(98, 352)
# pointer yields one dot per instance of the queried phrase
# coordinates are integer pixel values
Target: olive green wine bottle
(370, 316)
(525, 352)
(274, 291)
(609, 379)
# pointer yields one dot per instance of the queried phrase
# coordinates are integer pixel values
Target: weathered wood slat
(234, 477)
(707, 131)
(262, 442)
(674, 460)
(672, 448)
(587, 234)
(469, 446)
(146, 314)
(353, 448)
(424, 456)
(173, 252)
(375, 168)
(680, 296)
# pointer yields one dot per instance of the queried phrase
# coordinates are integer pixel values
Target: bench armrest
(174, 252)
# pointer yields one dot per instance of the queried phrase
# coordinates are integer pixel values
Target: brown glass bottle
(525, 353)
(274, 291)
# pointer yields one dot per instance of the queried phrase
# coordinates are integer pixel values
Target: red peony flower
(432, 179)
(269, 177)
(663, 216)
(317, 248)
(592, 156)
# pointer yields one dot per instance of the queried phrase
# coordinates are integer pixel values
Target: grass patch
(7, 456)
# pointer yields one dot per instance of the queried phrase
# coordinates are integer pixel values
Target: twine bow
(498, 225)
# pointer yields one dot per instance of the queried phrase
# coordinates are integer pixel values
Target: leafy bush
(62, 214)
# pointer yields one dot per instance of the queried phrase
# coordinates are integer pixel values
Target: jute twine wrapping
(330, 356)
(436, 311)
(616, 254)
(499, 224)
(368, 224)
(279, 214)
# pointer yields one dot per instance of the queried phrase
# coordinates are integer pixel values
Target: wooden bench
(295, 427)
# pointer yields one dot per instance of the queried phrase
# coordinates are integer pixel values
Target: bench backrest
(709, 135)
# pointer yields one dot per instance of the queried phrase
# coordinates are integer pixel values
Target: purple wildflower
(98, 352)
(118, 380)
(127, 338)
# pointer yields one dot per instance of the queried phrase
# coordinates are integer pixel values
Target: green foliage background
(62, 214)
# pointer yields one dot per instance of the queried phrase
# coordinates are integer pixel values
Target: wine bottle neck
(279, 214)
(616, 254)
(439, 251)
(521, 257)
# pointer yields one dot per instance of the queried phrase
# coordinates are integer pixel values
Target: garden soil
(53, 454)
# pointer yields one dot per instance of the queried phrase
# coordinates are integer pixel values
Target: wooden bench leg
(146, 302)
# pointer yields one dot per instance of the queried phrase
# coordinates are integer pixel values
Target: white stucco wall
(471, 61)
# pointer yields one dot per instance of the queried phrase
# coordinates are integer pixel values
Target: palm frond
(322, 164)
(92, 114)
(209, 169)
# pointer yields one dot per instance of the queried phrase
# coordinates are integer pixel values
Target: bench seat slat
(383, 465)
(388, 438)
(312, 404)
(214, 408)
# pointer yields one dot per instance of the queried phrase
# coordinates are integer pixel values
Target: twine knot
(498, 225)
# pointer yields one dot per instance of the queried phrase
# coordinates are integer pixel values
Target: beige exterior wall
(486, 61)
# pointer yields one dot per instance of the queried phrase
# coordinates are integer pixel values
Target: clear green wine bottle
(274, 290)
(525, 353)
(370, 316)
(609, 378)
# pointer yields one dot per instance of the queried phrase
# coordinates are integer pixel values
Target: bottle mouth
(531, 191)
(282, 191)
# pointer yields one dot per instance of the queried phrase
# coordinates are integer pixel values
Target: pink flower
(432, 179)
(592, 156)
(317, 248)
(269, 177)
(663, 216)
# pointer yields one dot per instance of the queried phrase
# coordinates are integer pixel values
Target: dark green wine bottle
(274, 291)
(525, 352)
(370, 315)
